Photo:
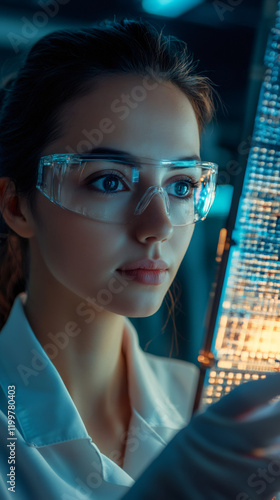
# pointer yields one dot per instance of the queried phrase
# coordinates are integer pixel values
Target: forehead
(137, 114)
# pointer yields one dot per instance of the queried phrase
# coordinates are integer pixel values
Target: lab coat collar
(44, 409)
(147, 395)
(39, 387)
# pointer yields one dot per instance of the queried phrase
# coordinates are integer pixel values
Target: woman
(101, 184)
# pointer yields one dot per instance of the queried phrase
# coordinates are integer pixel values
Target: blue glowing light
(169, 8)
(222, 201)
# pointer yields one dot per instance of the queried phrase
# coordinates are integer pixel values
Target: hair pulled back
(59, 68)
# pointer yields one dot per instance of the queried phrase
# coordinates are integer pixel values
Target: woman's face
(146, 119)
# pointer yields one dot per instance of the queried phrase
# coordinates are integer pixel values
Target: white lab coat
(53, 455)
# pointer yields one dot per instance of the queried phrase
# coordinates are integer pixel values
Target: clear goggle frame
(114, 188)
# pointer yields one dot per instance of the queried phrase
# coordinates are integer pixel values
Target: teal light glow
(169, 8)
(222, 201)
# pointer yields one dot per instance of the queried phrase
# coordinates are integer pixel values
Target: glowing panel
(246, 343)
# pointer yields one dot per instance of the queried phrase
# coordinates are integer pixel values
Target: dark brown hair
(59, 68)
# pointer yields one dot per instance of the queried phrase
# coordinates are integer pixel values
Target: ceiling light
(169, 8)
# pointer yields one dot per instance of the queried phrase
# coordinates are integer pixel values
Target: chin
(142, 314)
(138, 308)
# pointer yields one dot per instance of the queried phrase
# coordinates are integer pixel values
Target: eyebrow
(129, 156)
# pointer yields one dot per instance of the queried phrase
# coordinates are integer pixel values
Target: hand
(214, 457)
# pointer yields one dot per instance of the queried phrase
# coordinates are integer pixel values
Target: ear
(14, 209)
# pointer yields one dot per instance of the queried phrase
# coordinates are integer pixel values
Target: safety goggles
(115, 188)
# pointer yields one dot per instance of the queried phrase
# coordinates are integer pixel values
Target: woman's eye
(180, 188)
(109, 183)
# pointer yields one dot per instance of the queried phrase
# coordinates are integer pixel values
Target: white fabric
(55, 458)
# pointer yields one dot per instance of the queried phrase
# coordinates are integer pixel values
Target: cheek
(180, 242)
(82, 255)
(79, 253)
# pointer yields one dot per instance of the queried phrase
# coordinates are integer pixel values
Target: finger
(272, 451)
(222, 464)
(248, 396)
(242, 436)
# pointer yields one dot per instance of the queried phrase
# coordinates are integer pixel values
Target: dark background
(228, 37)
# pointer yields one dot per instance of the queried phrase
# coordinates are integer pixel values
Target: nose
(153, 223)
(148, 196)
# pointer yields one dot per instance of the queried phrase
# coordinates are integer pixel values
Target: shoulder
(178, 379)
(175, 381)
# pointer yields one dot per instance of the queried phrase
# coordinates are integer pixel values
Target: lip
(147, 264)
(145, 271)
